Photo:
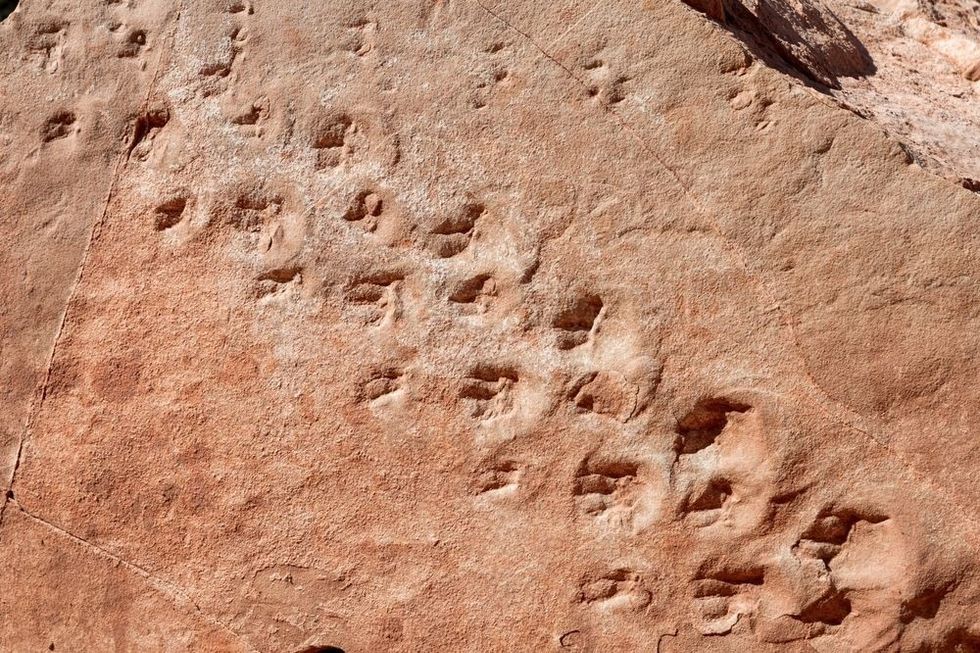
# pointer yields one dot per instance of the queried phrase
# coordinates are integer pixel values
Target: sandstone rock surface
(489, 325)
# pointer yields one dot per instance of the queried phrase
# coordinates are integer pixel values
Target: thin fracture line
(41, 392)
(176, 595)
(551, 46)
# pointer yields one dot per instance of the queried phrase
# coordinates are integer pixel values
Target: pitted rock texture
(925, 88)
(912, 66)
(480, 325)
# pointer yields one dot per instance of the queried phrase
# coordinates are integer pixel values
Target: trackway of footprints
(711, 477)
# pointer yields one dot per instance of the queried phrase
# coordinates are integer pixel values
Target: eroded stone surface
(475, 326)
(924, 90)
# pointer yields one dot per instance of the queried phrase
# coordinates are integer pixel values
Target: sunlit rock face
(472, 325)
